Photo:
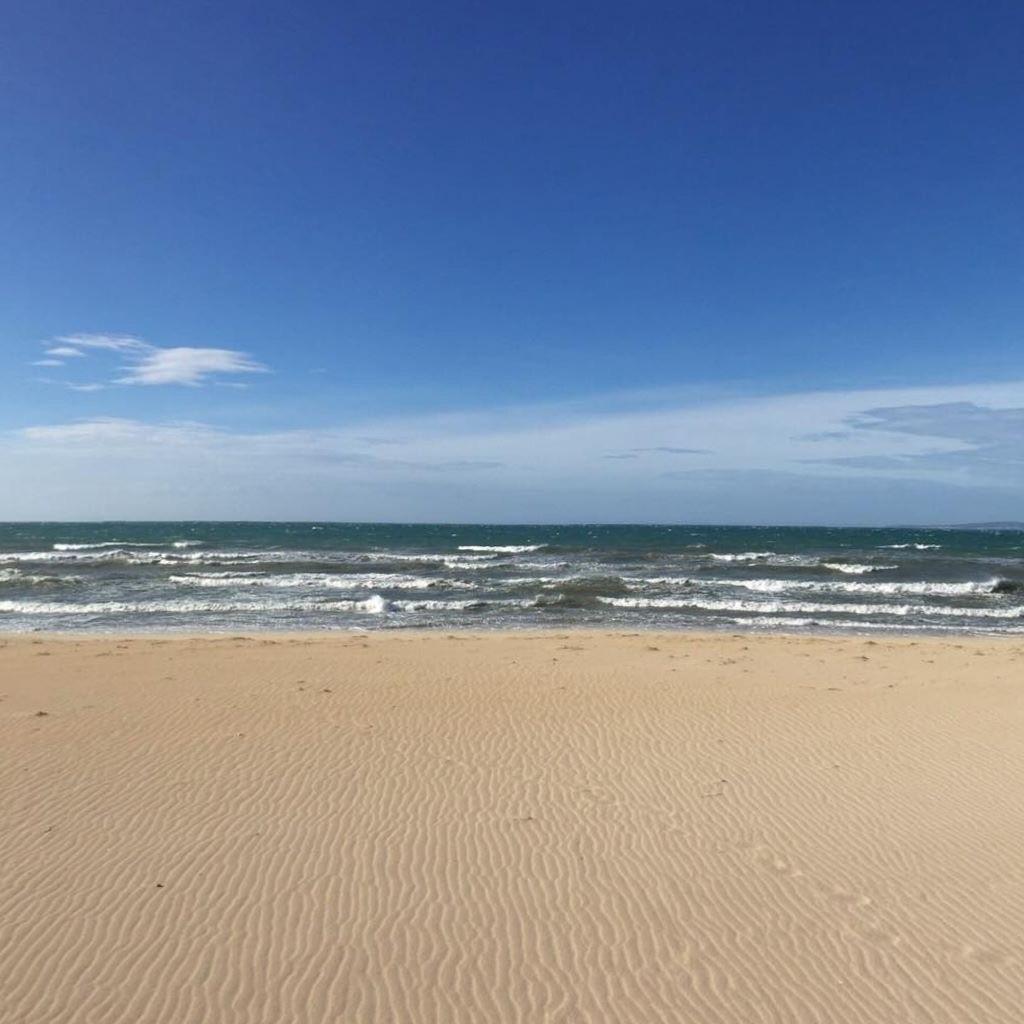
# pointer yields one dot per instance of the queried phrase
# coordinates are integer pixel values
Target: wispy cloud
(108, 342)
(148, 365)
(873, 455)
(962, 436)
(375, 441)
(668, 450)
(661, 449)
(824, 435)
(189, 366)
(120, 437)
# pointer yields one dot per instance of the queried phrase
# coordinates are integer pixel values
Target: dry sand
(534, 828)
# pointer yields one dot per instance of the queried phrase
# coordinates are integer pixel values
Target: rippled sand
(534, 828)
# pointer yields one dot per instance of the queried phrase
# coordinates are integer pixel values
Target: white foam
(916, 547)
(373, 604)
(130, 557)
(102, 544)
(745, 556)
(149, 556)
(558, 581)
(544, 581)
(376, 604)
(502, 549)
(774, 621)
(853, 569)
(466, 562)
(45, 556)
(768, 558)
(18, 576)
(380, 604)
(435, 606)
(331, 581)
(224, 574)
(811, 608)
(662, 581)
(214, 557)
(851, 587)
(449, 561)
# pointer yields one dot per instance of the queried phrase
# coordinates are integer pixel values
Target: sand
(534, 828)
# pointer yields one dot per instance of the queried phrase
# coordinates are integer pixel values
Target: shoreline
(511, 826)
(879, 634)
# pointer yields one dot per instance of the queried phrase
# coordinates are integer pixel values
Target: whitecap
(103, 544)
(768, 558)
(809, 607)
(331, 581)
(934, 589)
(854, 569)
(503, 549)
(745, 556)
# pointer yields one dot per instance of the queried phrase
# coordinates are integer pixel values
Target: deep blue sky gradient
(406, 207)
(452, 202)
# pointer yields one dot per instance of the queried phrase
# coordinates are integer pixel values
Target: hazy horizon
(994, 525)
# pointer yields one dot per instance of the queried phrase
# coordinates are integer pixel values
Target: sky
(515, 262)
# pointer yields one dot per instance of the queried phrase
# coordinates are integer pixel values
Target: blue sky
(648, 262)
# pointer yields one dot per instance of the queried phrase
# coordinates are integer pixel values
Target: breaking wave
(503, 549)
(376, 604)
(332, 581)
(812, 608)
(878, 589)
(306, 576)
(856, 569)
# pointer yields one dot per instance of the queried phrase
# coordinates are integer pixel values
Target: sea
(211, 577)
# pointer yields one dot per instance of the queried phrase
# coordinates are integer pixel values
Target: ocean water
(151, 577)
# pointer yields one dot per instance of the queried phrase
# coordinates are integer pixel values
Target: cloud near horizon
(940, 453)
(148, 364)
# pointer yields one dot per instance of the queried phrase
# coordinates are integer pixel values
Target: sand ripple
(563, 828)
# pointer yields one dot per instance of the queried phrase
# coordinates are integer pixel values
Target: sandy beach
(533, 827)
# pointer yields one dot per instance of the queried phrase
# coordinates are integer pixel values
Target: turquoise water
(230, 576)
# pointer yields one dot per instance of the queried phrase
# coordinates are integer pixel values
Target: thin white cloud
(108, 342)
(798, 432)
(190, 366)
(147, 364)
(910, 454)
(48, 362)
